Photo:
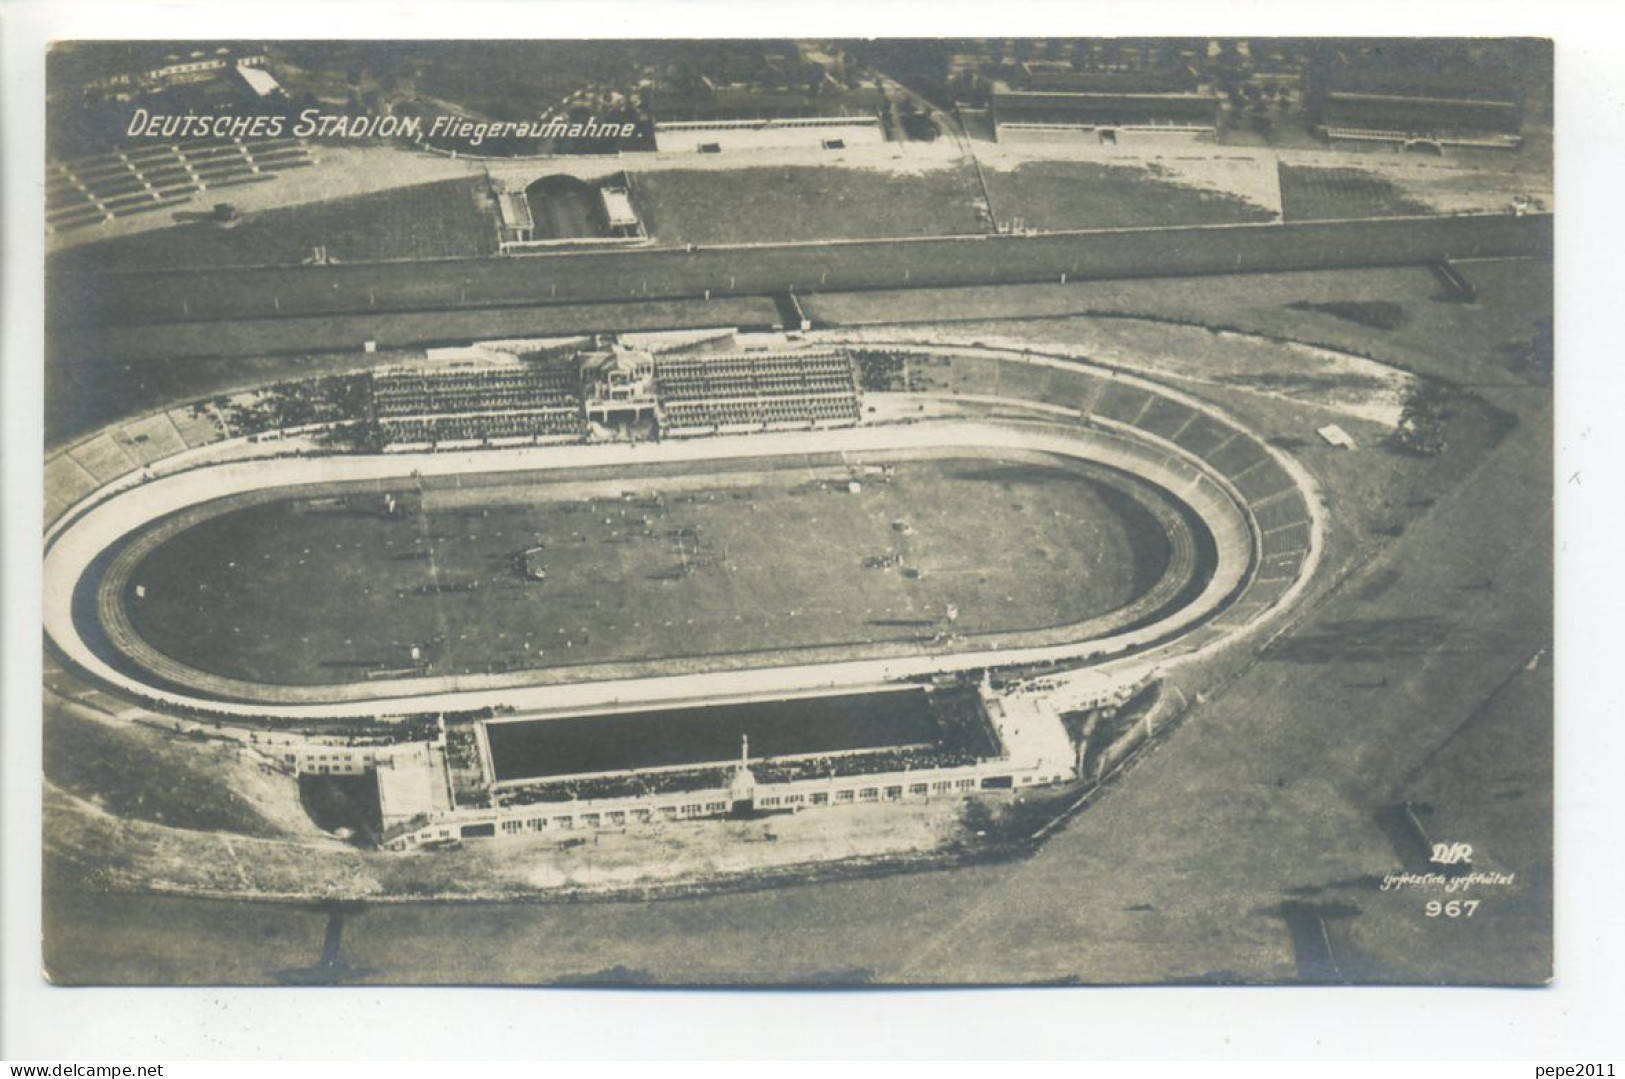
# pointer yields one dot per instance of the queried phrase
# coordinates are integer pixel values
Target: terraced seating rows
(769, 390)
(142, 179)
(1282, 516)
(481, 428)
(407, 393)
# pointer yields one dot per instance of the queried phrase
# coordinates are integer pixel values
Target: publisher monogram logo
(1452, 854)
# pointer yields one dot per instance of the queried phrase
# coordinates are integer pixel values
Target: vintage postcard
(954, 511)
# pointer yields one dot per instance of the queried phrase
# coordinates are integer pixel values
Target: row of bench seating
(768, 390)
(552, 423)
(415, 393)
(127, 182)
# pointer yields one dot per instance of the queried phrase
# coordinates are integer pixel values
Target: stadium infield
(305, 590)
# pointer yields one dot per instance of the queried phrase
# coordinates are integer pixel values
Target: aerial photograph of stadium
(984, 511)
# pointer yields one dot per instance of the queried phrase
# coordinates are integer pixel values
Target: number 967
(1455, 908)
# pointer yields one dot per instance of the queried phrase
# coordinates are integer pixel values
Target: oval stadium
(540, 587)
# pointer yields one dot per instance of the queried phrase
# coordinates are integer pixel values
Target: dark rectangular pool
(543, 748)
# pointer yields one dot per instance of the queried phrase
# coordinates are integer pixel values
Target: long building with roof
(1406, 107)
(1106, 115)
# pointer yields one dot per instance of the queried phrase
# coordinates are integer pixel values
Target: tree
(1422, 420)
(1534, 358)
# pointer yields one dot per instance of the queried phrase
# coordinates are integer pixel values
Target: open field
(1317, 194)
(327, 590)
(1049, 195)
(146, 775)
(773, 205)
(446, 219)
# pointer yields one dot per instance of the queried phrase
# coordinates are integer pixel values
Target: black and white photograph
(799, 512)
(913, 531)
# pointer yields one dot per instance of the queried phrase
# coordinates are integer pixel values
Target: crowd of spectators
(772, 389)
(475, 428)
(414, 391)
(474, 405)
(881, 371)
(332, 399)
(635, 785)
(900, 759)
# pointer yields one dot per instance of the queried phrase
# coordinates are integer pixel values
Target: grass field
(1311, 194)
(1088, 195)
(1462, 342)
(762, 205)
(445, 219)
(318, 592)
(143, 775)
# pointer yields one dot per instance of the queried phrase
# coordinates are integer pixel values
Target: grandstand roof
(727, 104)
(1061, 78)
(1418, 113)
(1049, 106)
(1486, 85)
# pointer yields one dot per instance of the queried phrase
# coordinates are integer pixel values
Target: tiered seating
(1263, 481)
(147, 178)
(478, 404)
(1165, 417)
(620, 786)
(769, 390)
(481, 428)
(1122, 402)
(1269, 491)
(868, 762)
(420, 392)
